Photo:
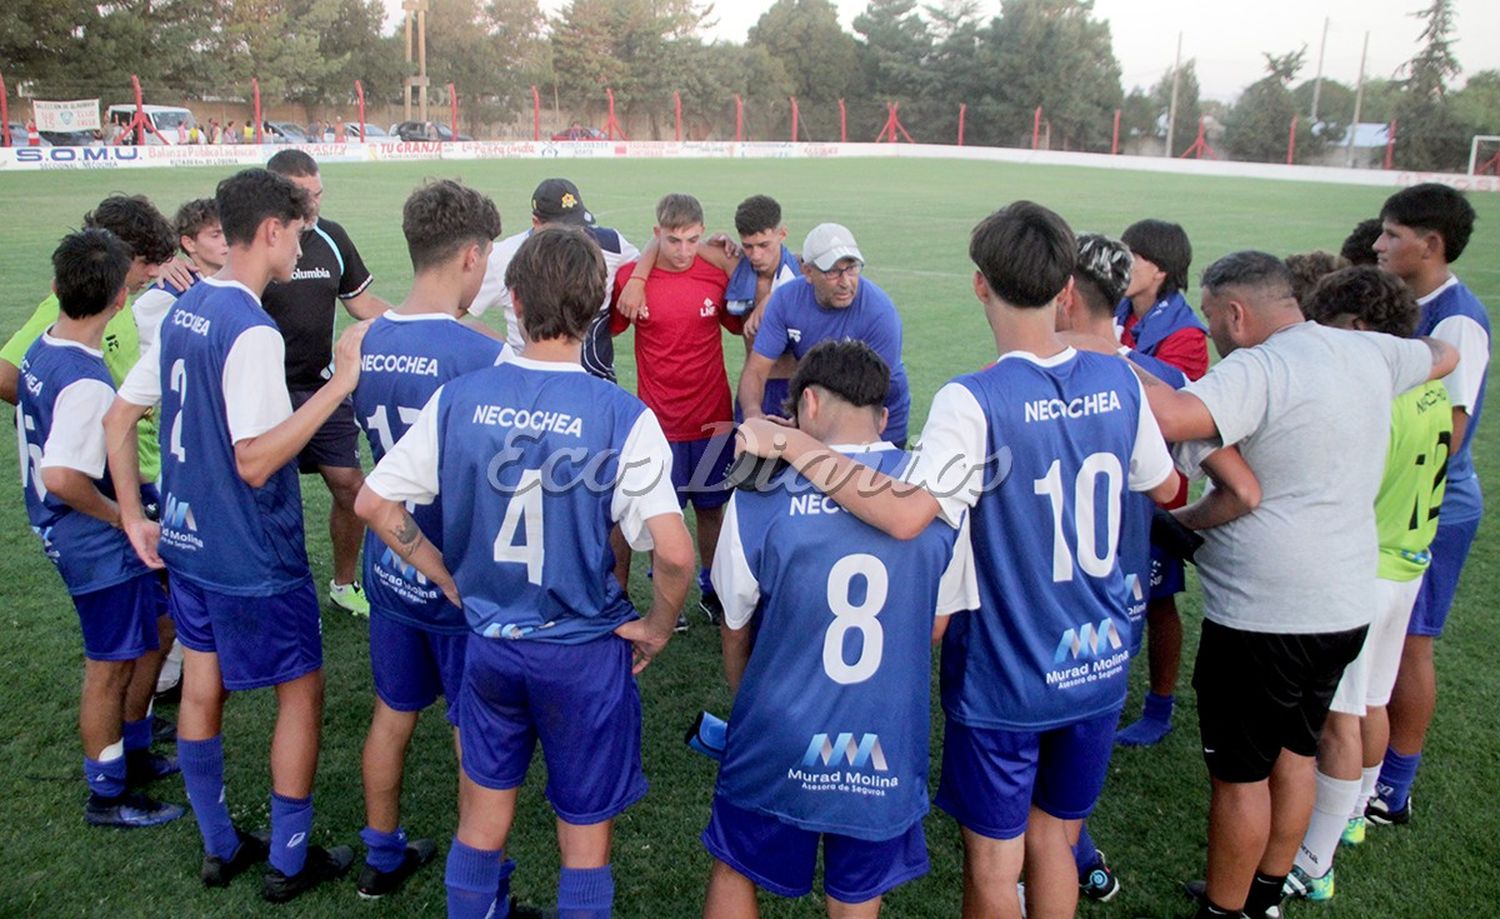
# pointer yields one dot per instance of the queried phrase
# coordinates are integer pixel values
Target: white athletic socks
(1335, 800)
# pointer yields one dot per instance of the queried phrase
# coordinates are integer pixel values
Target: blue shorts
(119, 622)
(699, 467)
(992, 778)
(260, 641)
(1168, 576)
(772, 402)
(781, 858)
(413, 666)
(1450, 548)
(580, 701)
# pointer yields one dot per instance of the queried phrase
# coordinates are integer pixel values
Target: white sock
(1330, 814)
(1368, 778)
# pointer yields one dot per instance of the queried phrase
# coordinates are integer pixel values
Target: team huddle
(1033, 539)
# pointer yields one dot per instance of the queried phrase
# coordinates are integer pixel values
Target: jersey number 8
(849, 616)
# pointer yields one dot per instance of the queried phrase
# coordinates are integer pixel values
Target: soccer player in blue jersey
(1425, 229)
(828, 739)
(66, 389)
(231, 533)
(536, 460)
(416, 636)
(1040, 449)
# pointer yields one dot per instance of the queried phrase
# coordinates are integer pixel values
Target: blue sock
(291, 822)
(1154, 725)
(1396, 775)
(138, 735)
(585, 893)
(384, 851)
(705, 585)
(106, 777)
(472, 876)
(203, 775)
(1085, 853)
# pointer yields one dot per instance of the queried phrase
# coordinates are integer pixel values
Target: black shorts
(336, 443)
(1261, 692)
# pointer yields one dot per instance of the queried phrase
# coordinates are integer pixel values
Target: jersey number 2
(177, 380)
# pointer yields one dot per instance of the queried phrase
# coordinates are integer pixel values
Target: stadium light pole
(416, 11)
(1359, 100)
(1318, 80)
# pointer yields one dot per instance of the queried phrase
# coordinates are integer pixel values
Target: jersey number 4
(523, 518)
(1085, 532)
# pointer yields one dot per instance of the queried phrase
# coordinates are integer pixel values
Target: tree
(819, 57)
(1429, 136)
(893, 55)
(1335, 109)
(1256, 127)
(1051, 53)
(1477, 105)
(624, 45)
(954, 74)
(492, 54)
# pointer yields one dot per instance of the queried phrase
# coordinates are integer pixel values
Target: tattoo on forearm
(408, 535)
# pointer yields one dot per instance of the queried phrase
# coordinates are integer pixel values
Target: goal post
(1484, 154)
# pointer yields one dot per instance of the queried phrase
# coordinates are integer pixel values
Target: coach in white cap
(832, 301)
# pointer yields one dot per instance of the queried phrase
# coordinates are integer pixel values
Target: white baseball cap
(828, 243)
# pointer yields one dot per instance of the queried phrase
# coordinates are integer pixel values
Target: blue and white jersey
(1453, 314)
(65, 389)
(403, 361)
(217, 370)
(536, 462)
(830, 726)
(1135, 529)
(1042, 452)
(151, 306)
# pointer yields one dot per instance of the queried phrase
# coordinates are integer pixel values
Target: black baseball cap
(559, 201)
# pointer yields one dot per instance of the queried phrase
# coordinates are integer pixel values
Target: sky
(1225, 39)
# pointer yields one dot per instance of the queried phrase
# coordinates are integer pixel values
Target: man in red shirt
(679, 359)
(1155, 319)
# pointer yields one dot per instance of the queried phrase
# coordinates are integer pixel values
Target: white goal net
(1484, 155)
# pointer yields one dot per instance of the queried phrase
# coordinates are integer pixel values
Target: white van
(165, 118)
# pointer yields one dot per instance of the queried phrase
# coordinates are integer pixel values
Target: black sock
(1207, 910)
(1265, 892)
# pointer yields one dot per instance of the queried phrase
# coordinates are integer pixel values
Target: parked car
(18, 135)
(579, 132)
(71, 138)
(351, 132)
(165, 118)
(284, 132)
(425, 132)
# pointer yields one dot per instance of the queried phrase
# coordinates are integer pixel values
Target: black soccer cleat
(253, 849)
(712, 608)
(321, 865)
(128, 812)
(374, 883)
(1380, 813)
(142, 767)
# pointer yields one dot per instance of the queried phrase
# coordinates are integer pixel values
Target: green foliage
(492, 53)
(1477, 105)
(1258, 125)
(1429, 136)
(820, 58)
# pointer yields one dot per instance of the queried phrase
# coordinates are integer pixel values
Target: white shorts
(1369, 679)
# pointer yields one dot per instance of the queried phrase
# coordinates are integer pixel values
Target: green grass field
(912, 220)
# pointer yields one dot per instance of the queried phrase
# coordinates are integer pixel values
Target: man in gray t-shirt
(1289, 587)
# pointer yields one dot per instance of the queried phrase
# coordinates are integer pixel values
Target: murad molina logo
(408, 571)
(178, 515)
(858, 755)
(1088, 641)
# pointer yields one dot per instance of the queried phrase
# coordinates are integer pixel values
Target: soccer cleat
(144, 767)
(374, 883)
(520, 910)
(129, 811)
(1304, 887)
(1100, 883)
(321, 865)
(1197, 891)
(712, 608)
(1354, 832)
(1379, 813)
(682, 624)
(163, 730)
(253, 848)
(350, 598)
